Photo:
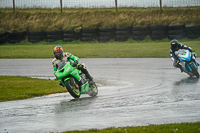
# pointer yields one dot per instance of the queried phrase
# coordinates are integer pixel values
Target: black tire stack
(70, 35)
(52, 36)
(106, 34)
(3, 37)
(176, 31)
(139, 33)
(88, 35)
(192, 32)
(158, 32)
(122, 34)
(34, 36)
(16, 37)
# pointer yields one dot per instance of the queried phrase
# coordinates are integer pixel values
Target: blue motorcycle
(188, 63)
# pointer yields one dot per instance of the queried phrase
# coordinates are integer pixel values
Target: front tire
(73, 88)
(194, 70)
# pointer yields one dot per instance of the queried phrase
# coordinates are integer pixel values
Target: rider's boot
(179, 66)
(196, 62)
(61, 84)
(85, 71)
(181, 69)
(81, 82)
(82, 86)
(90, 78)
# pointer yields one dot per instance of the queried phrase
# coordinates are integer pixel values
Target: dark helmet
(174, 44)
(58, 52)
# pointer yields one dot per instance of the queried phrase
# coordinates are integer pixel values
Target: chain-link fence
(95, 3)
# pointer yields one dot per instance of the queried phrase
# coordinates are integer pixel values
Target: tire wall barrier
(192, 32)
(52, 36)
(176, 31)
(16, 37)
(70, 35)
(105, 34)
(89, 35)
(36, 36)
(140, 33)
(122, 34)
(3, 37)
(158, 32)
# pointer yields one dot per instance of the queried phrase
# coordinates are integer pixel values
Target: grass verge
(165, 128)
(17, 88)
(128, 49)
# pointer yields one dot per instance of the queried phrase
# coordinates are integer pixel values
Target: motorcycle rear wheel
(73, 88)
(194, 70)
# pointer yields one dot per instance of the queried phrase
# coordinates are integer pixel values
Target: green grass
(128, 49)
(51, 19)
(16, 88)
(165, 128)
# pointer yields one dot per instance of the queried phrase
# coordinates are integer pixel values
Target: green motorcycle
(70, 76)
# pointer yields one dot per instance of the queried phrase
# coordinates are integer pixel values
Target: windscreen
(61, 64)
(181, 52)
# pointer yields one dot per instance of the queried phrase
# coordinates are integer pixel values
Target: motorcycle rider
(175, 46)
(61, 56)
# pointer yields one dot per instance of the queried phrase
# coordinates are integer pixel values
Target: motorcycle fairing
(185, 57)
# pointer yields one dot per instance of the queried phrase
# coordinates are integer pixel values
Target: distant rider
(60, 56)
(175, 46)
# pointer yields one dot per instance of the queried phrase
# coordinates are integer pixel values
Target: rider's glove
(75, 63)
(79, 66)
(195, 55)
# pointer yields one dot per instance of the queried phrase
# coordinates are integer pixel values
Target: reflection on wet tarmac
(74, 104)
(187, 81)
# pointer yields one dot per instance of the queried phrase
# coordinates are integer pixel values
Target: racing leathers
(175, 58)
(68, 57)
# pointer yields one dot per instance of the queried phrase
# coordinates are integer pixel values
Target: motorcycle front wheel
(194, 70)
(73, 88)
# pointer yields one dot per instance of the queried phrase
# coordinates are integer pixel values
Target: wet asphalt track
(132, 92)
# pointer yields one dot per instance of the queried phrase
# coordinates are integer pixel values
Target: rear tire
(194, 70)
(73, 88)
